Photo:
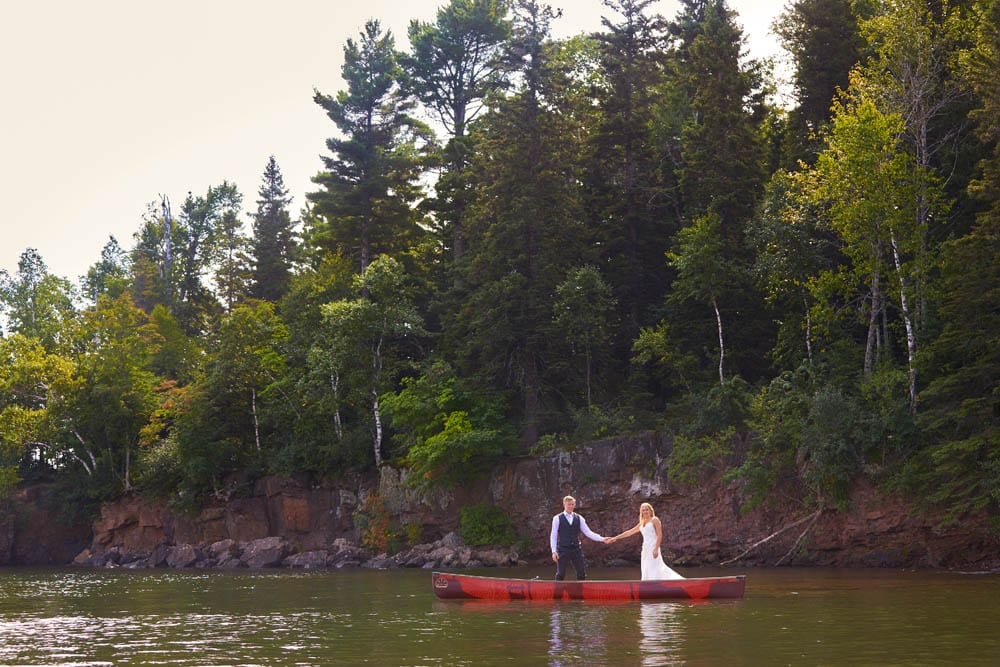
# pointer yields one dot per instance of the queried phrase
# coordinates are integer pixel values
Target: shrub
(481, 525)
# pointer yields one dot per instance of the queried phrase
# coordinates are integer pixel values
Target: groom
(565, 539)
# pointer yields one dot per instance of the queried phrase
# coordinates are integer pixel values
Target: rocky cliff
(704, 524)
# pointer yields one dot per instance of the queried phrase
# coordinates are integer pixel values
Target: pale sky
(108, 104)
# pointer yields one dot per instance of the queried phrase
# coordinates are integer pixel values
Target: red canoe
(449, 586)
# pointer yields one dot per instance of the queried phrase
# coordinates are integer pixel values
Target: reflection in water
(578, 635)
(660, 634)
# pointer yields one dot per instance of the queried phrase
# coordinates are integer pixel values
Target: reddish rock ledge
(292, 522)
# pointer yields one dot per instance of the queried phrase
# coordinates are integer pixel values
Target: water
(362, 617)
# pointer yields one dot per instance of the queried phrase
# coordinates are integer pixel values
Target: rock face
(33, 534)
(289, 522)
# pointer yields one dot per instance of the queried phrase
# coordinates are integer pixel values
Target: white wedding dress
(653, 568)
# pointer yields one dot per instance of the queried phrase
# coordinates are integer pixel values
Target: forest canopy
(518, 243)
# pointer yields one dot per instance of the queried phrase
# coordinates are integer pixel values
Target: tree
(371, 180)
(246, 359)
(173, 258)
(721, 168)
(915, 44)
(82, 409)
(866, 180)
(792, 246)
(823, 39)
(154, 271)
(110, 275)
(361, 338)
(273, 243)
(116, 397)
(34, 387)
(631, 196)
(448, 431)
(525, 223)
(233, 274)
(961, 466)
(725, 114)
(702, 272)
(206, 236)
(582, 317)
(456, 63)
(179, 356)
(38, 304)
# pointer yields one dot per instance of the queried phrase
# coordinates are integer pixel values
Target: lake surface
(790, 616)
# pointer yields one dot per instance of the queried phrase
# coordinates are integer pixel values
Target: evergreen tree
(456, 63)
(233, 272)
(961, 466)
(823, 39)
(526, 224)
(721, 175)
(370, 184)
(273, 240)
(631, 191)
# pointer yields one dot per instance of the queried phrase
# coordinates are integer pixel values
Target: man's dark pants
(574, 556)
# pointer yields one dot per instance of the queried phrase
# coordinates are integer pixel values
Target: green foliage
(707, 429)
(37, 304)
(160, 472)
(806, 29)
(272, 247)
(582, 318)
(110, 276)
(370, 183)
(808, 429)
(594, 422)
(960, 467)
(483, 525)
(449, 433)
(527, 298)
(693, 457)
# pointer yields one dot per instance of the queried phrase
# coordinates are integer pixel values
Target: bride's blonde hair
(652, 513)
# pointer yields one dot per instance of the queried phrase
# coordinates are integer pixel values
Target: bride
(652, 563)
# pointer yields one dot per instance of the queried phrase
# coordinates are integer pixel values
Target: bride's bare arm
(627, 533)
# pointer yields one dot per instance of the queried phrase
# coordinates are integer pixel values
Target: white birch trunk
(911, 337)
(722, 346)
(376, 413)
(93, 461)
(338, 423)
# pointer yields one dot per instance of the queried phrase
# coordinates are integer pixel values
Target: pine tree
(823, 39)
(525, 224)
(631, 199)
(371, 180)
(456, 63)
(721, 173)
(273, 241)
(961, 402)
